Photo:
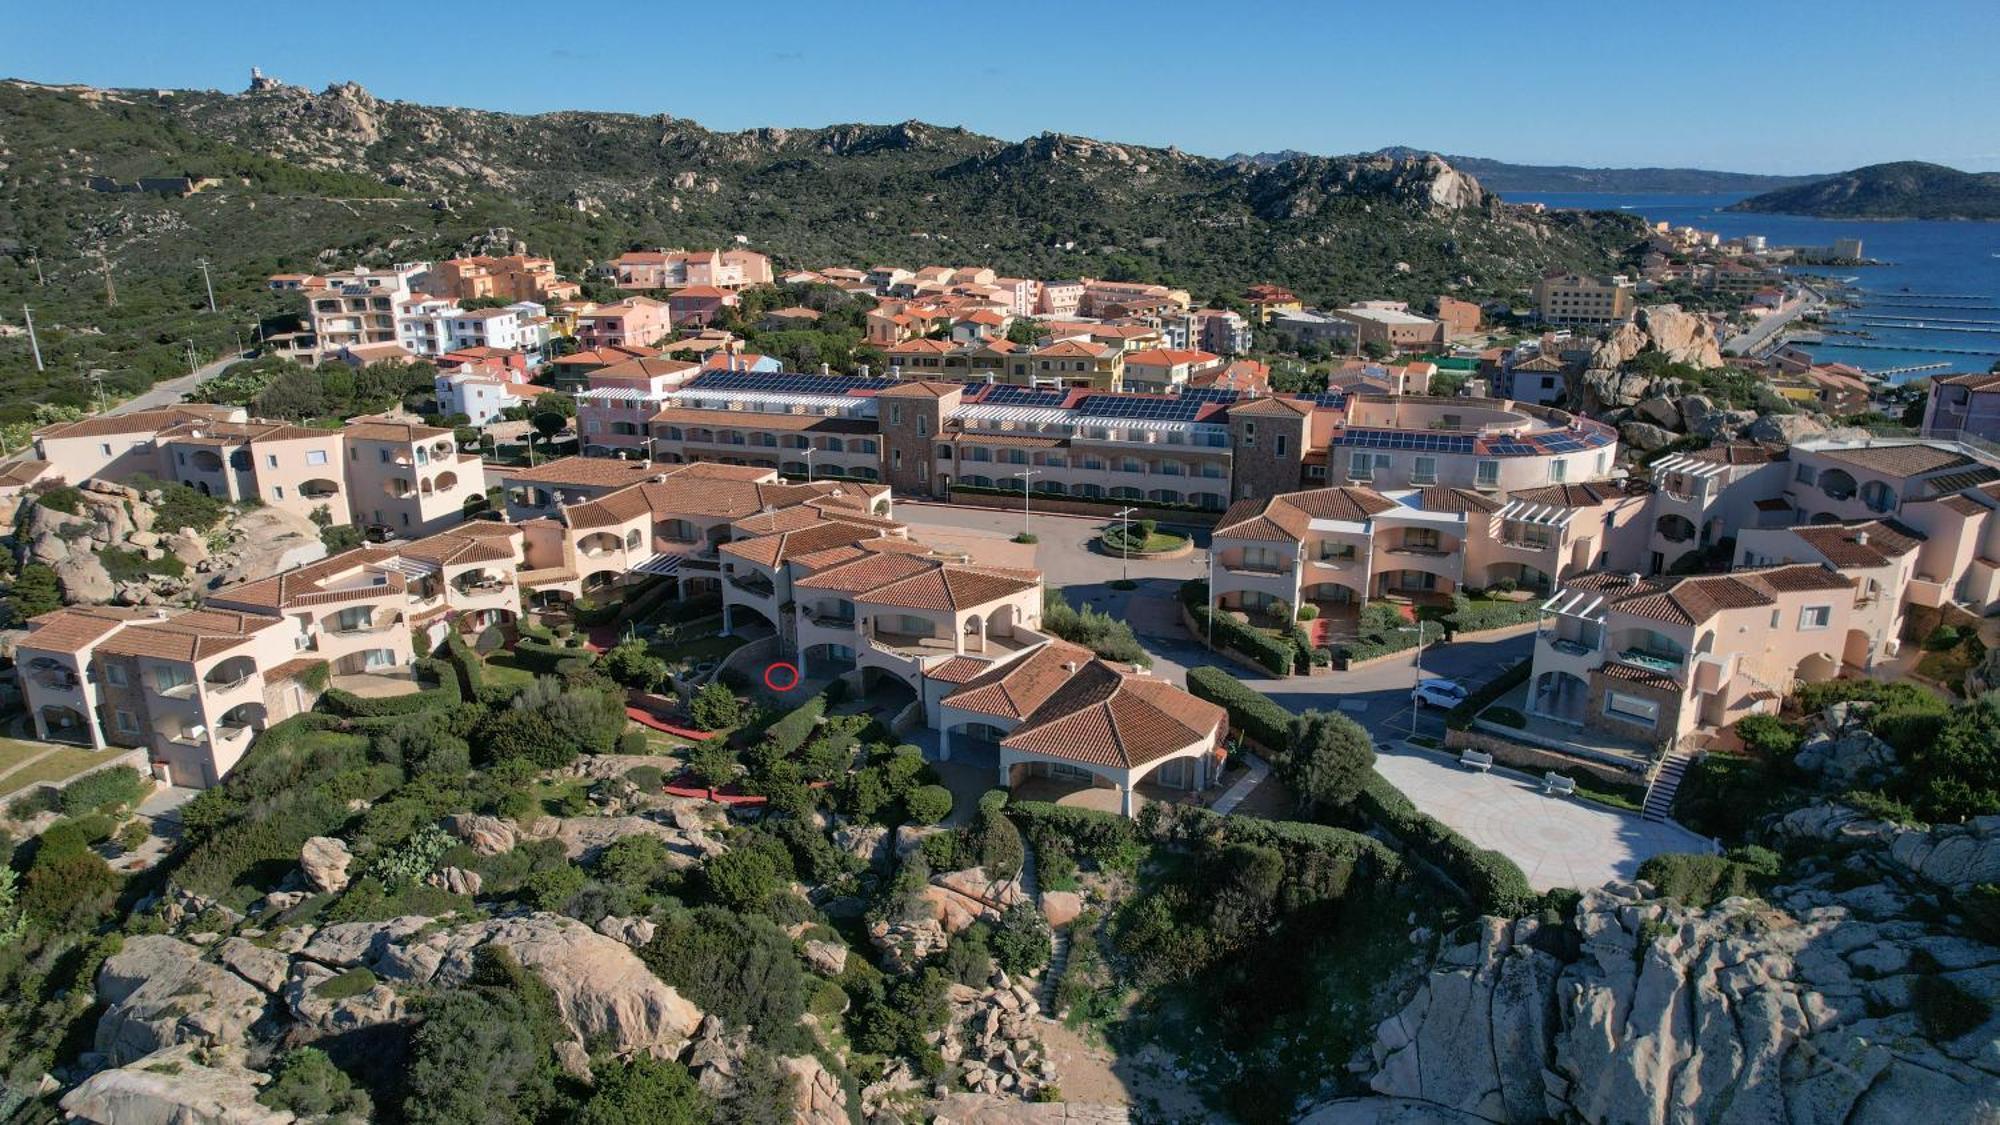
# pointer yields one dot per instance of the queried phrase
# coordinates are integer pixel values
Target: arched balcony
(599, 544)
(319, 488)
(1837, 484)
(401, 488)
(231, 674)
(1878, 496)
(1674, 528)
(446, 481)
(206, 461)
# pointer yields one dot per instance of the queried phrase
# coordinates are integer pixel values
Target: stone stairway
(1052, 975)
(1666, 782)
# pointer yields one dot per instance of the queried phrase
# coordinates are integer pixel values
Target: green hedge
(1497, 885)
(1368, 648)
(797, 725)
(543, 657)
(1461, 716)
(347, 705)
(1275, 654)
(470, 669)
(1251, 713)
(1469, 616)
(1072, 831)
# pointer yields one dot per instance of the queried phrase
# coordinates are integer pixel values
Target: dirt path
(1089, 1074)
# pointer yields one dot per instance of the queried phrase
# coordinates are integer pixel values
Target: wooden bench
(1476, 759)
(1553, 782)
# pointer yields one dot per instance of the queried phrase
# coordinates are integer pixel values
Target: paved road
(173, 390)
(1760, 334)
(1377, 696)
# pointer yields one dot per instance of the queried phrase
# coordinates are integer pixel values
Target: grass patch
(503, 668)
(1114, 541)
(354, 982)
(57, 766)
(14, 751)
(1949, 666)
(703, 648)
(134, 566)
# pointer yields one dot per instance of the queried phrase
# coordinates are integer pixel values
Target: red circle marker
(789, 673)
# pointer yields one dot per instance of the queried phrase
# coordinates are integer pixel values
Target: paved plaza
(1558, 841)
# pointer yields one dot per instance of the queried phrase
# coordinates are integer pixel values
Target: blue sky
(1778, 86)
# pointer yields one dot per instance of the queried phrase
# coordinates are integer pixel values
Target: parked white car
(1439, 693)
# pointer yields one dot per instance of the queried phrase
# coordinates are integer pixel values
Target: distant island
(1907, 189)
(1500, 176)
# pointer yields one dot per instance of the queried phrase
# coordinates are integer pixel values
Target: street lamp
(810, 450)
(1418, 629)
(1125, 548)
(1025, 474)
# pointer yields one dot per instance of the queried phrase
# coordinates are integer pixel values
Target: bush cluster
(1496, 883)
(1276, 655)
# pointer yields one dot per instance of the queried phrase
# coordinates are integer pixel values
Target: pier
(1925, 326)
(1913, 369)
(1987, 352)
(1925, 305)
(1932, 296)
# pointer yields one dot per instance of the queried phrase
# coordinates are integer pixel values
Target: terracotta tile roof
(1978, 380)
(1696, 598)
(1015, 689)
(1276, 407)
(1104, 717)
(1644, 677)
(752, 422)
(593, 472)
(293, 668)
(1169, 357)
(375, 427)
(1737, 453)
(699, 490)
(951, 586)
(1016, 440)
(770, 550)
(74, 629)
(867, 572)
(308, 585)
(459, 546)
(1443, 498)
(1588, 494)
(919, 389)
(137, 422)
(1900, 460)
(1874, 543)
(645, 367)
(1964, 505)
(1288, 516)
(233, 433)
(24, 472)
(957, 670)
(194, 635)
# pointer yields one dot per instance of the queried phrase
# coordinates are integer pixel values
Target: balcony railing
(1665, 663)
(182, 690)
(1265, 569)
(756, 585)
(828, 620)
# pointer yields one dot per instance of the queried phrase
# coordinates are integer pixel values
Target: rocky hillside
(1908, 189)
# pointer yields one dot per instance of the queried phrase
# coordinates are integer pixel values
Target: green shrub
(552, 888)
(307, 1083)
(1461, 716)
(1701, 880)
(715, 707)
(796, 726)
(1327, 759)
(66, 499)
(1021, 941)
(1472, 616)
(928, 804)
(1767, 736)
(133, 834)
(1101, 633)
(114, 788)
(1943, 639)
(1274, 654)
(345, 986)
(1945, 1008)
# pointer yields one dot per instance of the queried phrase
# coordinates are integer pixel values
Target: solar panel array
(1406, 439)
(1332, 400)
(1507, 447)
(1003, 395)
(785, 383)
(1211, 394)
(1142, 409)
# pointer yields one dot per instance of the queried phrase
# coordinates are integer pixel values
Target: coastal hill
(316, 180)
(1500, 176)
(1906, 189)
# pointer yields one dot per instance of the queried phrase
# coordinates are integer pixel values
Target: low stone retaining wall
(1057, 505)
(1536, 759)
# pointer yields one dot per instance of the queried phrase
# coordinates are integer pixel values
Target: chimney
(1861, 538)
(864, 371)
(1633, 579)
(1070, 667)
(826, 369)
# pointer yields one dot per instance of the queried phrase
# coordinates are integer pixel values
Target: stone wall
(1535, 759)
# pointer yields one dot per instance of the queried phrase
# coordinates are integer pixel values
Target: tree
(715, 707)
(631, 663)
(1377, 350)
(1329, 761)
(1956, 775)
(928, 804)
(633, 861)
(35, 592)
(1021, 941)
(548, 423)
(308, 1084)
(474, 1061)
(646, 1089)
(742, 878)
